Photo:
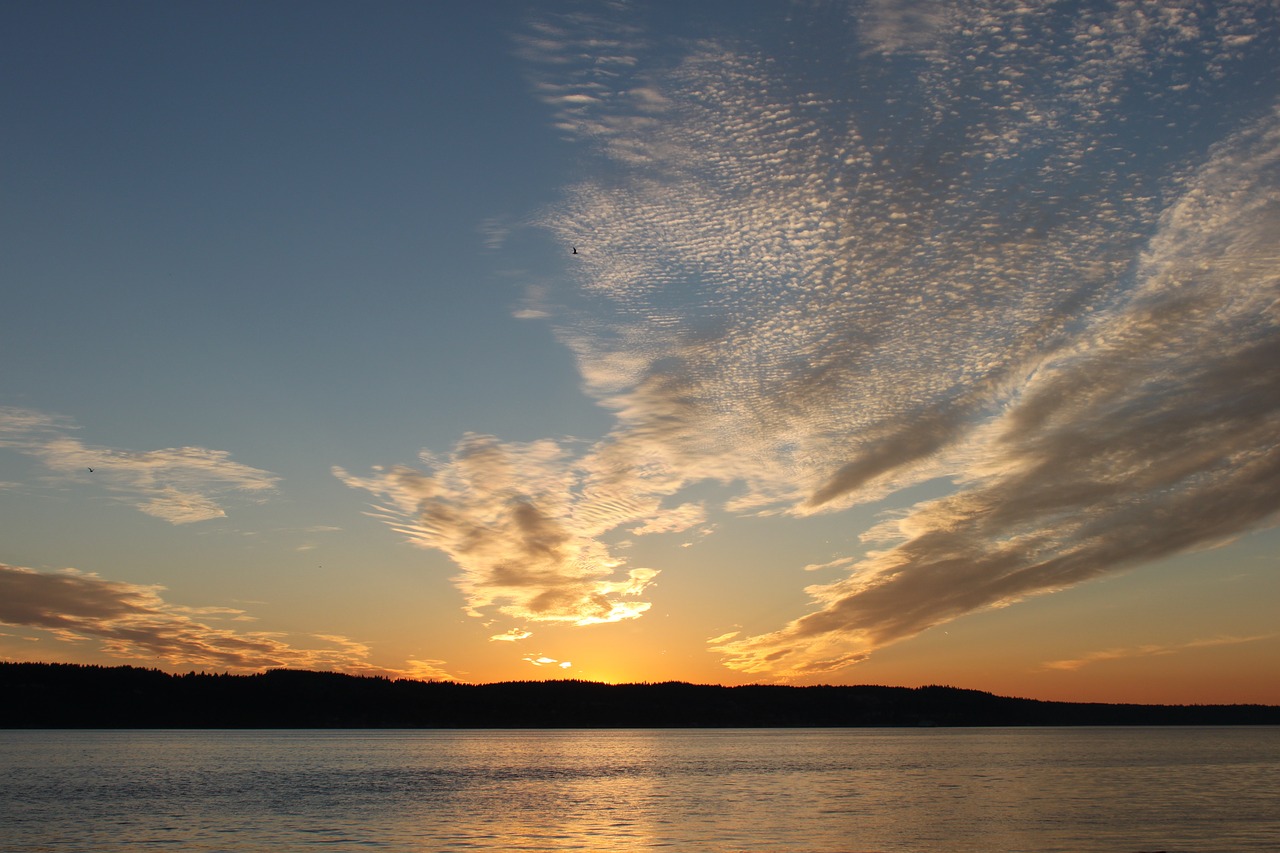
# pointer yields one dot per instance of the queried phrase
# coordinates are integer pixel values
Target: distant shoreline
(48, 695)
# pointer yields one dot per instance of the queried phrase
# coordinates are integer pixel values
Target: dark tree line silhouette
(43, 695)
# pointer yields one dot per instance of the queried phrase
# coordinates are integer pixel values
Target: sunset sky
(905, 342)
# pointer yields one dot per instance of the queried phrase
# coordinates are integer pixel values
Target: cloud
(1153, 434)
(514, 519)
(533, 304)
(1149, 650)
(178, 484)
(494, 233)
(583, 64)
(826, 299)
(903, 26)
(543, 660)
(428, 670)
(840, 563)
(16, 424)
(512, 636)
(974, 249)
(675, 520)
(133, 622)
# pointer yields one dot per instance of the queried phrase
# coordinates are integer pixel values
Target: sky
(877, 342)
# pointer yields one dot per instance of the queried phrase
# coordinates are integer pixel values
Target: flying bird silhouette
(90, 470)
(575, 250)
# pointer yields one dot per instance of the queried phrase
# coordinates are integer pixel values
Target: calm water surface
(1072, 790)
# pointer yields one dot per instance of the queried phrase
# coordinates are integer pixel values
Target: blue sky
(905, 342)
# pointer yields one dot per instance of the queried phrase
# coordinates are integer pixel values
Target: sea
(1072, 790)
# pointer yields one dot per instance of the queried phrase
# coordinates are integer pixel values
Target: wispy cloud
(976, 247)
(1149, 650)
(583, 65)
(178, 484)
(841, 563)
(512, 635)
(675, 520)
(1153, 433)
(427, 670)
(543, 660)
(905, 26)
(134, 622)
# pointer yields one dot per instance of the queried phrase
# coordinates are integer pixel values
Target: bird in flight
(90, 470)
(575, 250)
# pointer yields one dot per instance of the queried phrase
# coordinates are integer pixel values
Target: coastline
(47, 695)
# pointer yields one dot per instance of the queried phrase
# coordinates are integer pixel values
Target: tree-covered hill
(38, 695)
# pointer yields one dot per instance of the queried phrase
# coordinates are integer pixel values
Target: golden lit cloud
(1152, 434)
(512, 636)
(1149, 650)
(133, 622)
(543, 660)
(514, 518)
(819, 284)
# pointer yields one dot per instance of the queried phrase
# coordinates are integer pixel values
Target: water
(827, 790)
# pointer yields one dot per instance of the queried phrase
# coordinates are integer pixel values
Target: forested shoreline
(44, 695)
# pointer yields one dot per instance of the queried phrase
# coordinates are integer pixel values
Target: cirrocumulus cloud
(1028, 251)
